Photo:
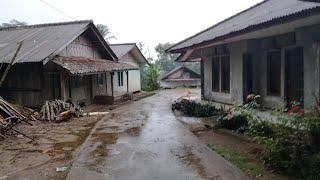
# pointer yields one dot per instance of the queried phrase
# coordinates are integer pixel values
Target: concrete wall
(235, 96)
(306, 37)
(134, 77)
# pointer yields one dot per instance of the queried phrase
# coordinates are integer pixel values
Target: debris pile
(10, 117)
(59, 111)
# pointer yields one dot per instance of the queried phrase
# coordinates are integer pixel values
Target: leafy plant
(236, 120)
(196, 109)
(150, 76)
(258, 128)
(253, 101)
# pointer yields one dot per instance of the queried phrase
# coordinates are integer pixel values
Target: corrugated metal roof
(193, 75)
(122, 49)
(264, 12)
(39, 41)
(83, 65)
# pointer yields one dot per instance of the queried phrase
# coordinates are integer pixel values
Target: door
(247, 76)
(89, 90)
(294, 75)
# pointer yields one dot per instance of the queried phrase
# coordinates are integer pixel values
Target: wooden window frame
(120, 79)
(269, 79)
(218, 62)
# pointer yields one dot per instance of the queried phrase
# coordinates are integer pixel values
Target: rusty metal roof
(260, 14)
(122, 49)
(187, 74)
(83, 65)
(41, 41)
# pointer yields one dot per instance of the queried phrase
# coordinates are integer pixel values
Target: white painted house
(128, 53)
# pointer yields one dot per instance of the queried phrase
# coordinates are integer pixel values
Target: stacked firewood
(59, 111)
(10, 117)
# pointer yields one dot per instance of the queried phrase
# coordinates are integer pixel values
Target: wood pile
(10, 117)
(58, 111)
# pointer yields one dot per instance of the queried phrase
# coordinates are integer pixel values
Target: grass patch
(242, 162)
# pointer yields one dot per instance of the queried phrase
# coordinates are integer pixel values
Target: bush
(287, 151)
(313, 126)
(196, 109)
(259, 128)
(150, 76)
(236, 121)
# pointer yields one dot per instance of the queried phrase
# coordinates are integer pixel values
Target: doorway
(294, 87)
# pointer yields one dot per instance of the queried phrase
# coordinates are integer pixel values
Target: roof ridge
(46, 25)
(215, 25)
(119, 44)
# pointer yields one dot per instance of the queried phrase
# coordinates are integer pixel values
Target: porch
(281, 68)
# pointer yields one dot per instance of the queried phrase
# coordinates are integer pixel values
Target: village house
(271, 49)
(67, 61)
(129, 81)
(180, 77)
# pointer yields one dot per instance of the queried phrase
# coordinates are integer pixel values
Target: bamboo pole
(10, 64)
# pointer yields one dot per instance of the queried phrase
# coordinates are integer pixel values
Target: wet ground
(144, 140)
(21, 158)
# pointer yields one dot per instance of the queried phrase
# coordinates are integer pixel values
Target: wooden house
(180, 77)
(130, 54)
(68, 61)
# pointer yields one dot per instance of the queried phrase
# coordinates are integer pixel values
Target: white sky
(149, 21)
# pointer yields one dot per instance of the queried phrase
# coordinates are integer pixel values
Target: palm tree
(105, 32)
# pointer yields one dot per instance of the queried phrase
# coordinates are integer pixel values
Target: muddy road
(143, 140)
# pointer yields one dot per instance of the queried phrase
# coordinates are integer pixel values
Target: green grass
(254, 169)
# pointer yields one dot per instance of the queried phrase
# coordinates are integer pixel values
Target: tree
(105, 32)
(13, 23)
(150, 76)
(166, 61)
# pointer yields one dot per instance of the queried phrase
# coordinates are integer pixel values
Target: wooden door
(247, 76)
(89, 91)
(294, 75)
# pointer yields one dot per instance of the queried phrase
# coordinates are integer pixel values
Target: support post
(112, 74)
(202, 78)
(127, 73)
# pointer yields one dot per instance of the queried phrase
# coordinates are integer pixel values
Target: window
(76, 81)
(221, 74)
(274, 73)
(216, 74)
(120, 78)
(100, 78)
(225, 74)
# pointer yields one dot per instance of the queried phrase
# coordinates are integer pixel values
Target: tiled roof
(260, 14)
(83, 65)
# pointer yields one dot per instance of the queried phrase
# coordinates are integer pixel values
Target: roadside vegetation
(290, 146)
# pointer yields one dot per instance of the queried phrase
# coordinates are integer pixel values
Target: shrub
(237, 121)
(150, 76)
(313, 126)
(196, 109)
(259, 128)
(287, 152)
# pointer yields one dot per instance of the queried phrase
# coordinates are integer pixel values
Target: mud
(53, 147)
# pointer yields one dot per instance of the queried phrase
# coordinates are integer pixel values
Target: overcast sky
(149, 21)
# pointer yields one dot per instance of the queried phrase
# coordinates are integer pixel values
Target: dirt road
(143, 140)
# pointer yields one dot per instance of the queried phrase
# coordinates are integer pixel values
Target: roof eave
(277, 21)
